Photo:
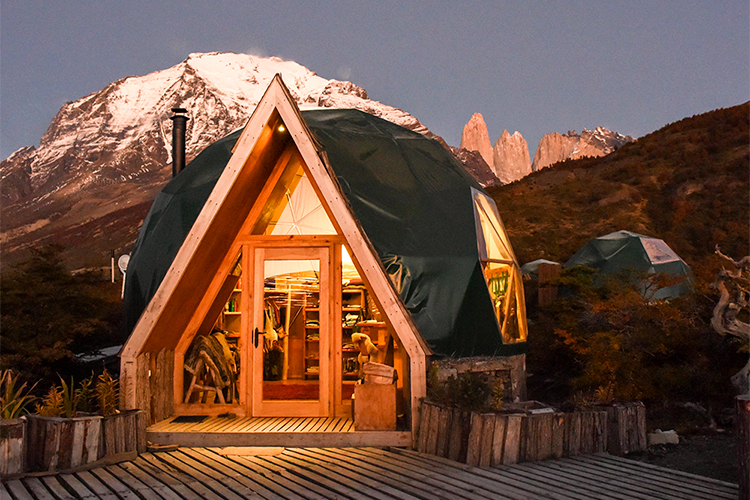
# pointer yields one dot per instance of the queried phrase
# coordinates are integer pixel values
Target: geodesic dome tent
(622, 251)
(437, 233)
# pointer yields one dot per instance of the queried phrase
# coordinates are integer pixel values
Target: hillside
(686, 183)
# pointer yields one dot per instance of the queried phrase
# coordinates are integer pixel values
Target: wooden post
(123, 432)
(444, 426)
(558, 435)
(498, 439)
(488, 438)
(433, 430)
(458, 435)
(641, 423)
(742, 406)
(512, 448)
(572, 445)
(474, 447)
(12, 446)
(424, 419)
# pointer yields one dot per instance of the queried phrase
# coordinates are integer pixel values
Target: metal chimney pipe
(179, 127)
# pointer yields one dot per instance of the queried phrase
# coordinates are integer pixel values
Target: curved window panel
(501, 270)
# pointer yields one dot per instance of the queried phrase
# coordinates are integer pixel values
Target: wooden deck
(272, 431)
(362, 473)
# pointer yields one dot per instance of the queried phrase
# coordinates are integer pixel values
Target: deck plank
(360, 473)
(148, 480)
(229, 489)
(330, 481)
(310, 489)
(362, 483)
(510, 487)
(352, 471)
(86, 489)
(121, 490)
(37, 489)
(402, 482)
(142, 489)
(185, 485)
(17, 490)
(432, 478)
(576, 473)
(54, 485)
(511, 483)
(661, 476)
(246, 478)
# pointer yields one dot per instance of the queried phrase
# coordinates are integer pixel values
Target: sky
(535, 67)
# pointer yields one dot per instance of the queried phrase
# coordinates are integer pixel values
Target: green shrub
(609, 342)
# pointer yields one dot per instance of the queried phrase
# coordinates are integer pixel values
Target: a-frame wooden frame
(211, 245)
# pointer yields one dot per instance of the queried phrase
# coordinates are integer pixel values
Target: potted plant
(15, 400)
(122, 431)
(61, 435)
(76, 426)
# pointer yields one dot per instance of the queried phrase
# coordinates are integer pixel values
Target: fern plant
(107, 394)
(14, 399)
(52, 403)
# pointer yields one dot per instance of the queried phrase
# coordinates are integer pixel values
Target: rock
(660, 438)
(556, 147)
(476, 166)
(476, 138)
(510, 157)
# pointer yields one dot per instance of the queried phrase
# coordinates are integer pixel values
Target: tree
(49, 315)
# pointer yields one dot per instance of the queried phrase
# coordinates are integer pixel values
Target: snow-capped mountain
(106, 155)
(571, 146)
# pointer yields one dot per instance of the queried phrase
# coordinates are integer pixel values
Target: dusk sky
(535, 67)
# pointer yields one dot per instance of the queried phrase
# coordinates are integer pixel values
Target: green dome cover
(413, 199)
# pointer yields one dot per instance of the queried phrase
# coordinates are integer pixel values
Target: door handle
(256, 336)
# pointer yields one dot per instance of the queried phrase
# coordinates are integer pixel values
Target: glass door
(291, 332)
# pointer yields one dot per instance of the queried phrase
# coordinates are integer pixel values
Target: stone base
(510, 370)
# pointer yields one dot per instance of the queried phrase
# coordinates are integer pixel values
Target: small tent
(302, 229)
(623, 251)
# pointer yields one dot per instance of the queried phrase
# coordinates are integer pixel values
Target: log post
(488, 437)
(498, 439)
(459, 435)
(474, 447)
(742, 406)
(424, 419)
(512, 446)
(445, 418)
(433, 430)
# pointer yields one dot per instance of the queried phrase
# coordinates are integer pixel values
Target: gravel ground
(711, 455)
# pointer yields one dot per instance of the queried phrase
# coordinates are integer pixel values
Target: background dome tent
(437, 233)
(624, 250)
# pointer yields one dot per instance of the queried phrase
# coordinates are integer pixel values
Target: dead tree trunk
(733, 286)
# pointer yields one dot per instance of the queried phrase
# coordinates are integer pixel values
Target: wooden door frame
(292, 248)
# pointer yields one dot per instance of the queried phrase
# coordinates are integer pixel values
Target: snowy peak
(219, 90)
(111, 149)
(556, 147)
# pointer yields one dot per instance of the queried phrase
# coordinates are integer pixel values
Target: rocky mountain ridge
(105, 156)
(510, 160)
